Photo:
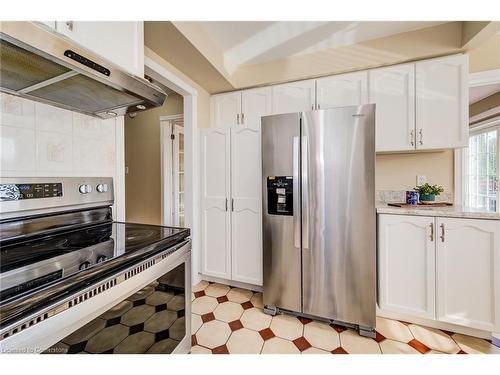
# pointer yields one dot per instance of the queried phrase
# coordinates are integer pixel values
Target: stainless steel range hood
(39, 64)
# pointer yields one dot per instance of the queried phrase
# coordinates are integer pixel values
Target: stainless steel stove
(65, 264)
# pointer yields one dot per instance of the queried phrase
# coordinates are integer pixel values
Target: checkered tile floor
(230, 320)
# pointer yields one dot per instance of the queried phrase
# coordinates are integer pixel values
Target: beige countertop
(451, 211)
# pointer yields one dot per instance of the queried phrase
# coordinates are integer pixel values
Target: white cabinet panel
(442, 102)
(342, 90)
(294, 97)
(392, 89)
(255, 103)
(246, 218)
(468, 272)
(406, 264)
(226, 109)
(216, 252)
(121, 42)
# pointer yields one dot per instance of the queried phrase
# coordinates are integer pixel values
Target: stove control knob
(101, 258)
(84, 265)
(85, 189)
(102, 188)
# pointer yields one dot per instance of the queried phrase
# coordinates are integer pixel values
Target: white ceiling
(257, 42)
(481, 92)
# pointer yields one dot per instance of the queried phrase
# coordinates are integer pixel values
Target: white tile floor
(230, 320)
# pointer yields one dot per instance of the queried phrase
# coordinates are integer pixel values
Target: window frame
(495, 125)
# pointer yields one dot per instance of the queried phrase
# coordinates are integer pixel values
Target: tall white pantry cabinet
(231, 187)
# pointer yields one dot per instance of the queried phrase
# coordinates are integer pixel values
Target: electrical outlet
(421, 179)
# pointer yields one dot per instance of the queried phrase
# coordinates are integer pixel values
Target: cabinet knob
(432, 232)
(442, 232)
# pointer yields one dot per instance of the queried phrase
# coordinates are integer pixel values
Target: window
(481, 169)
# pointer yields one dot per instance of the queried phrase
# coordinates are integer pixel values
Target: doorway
(173, 178)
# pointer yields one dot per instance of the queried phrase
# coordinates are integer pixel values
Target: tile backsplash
(399, 196)
(41, 140)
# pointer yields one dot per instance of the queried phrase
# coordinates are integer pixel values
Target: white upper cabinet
(246, 217)
(215, 219)
(468, 272)
(406, 264)
(255, 103)
(121, 42)
(293, 97)
(392, 89)
(442, 102)
(226, 109)
(342, 90)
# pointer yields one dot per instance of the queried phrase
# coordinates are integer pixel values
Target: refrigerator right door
(338, 214)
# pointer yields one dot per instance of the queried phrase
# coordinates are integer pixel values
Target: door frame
(179, 84)
(167, 208)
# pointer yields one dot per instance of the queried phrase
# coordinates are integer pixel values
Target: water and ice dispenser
(280, 195)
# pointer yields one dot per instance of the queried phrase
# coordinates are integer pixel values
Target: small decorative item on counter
(412, 197)
(428, 192)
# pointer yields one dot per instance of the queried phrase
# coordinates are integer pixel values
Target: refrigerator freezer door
(281, 228)
(339, 222)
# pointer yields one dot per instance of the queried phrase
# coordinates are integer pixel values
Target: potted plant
(427, 193)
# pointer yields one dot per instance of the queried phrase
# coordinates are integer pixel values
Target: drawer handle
(442, 232)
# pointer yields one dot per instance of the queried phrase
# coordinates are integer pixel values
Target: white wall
(42, 140)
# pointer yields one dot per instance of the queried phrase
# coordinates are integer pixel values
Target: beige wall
(143, 159)
(486, 56)
(203, 97)
(399, 171)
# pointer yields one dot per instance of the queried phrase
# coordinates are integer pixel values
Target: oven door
(147, 313)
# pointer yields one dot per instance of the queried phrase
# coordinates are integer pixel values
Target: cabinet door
(121, 42)
(226, 109)
(216, 225)
(293, 97)
(255, 103)
(246, 217)
(442, 103)
(406, 264)
(468, 272)
(342, 90)
(392, 89)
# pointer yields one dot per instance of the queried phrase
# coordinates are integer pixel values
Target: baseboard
(236, 284)
(435, 324)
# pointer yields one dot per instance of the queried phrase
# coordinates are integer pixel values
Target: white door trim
(192, 199)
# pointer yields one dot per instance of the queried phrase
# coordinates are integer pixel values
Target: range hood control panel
(280, 195)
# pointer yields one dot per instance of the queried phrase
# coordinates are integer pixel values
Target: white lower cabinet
(444, 269)
(231, 203)
(468, 272)
(406, 264)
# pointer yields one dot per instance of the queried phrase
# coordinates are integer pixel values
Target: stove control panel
(14, 192)
(32, 195)
(85, 188)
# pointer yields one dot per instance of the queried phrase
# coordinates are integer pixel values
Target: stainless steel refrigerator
(319, 223)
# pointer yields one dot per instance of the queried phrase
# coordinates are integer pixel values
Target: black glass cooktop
(41, 270)
(115, 239)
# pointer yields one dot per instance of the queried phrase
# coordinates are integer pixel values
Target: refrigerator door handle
(296, 200)
(305, 192)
